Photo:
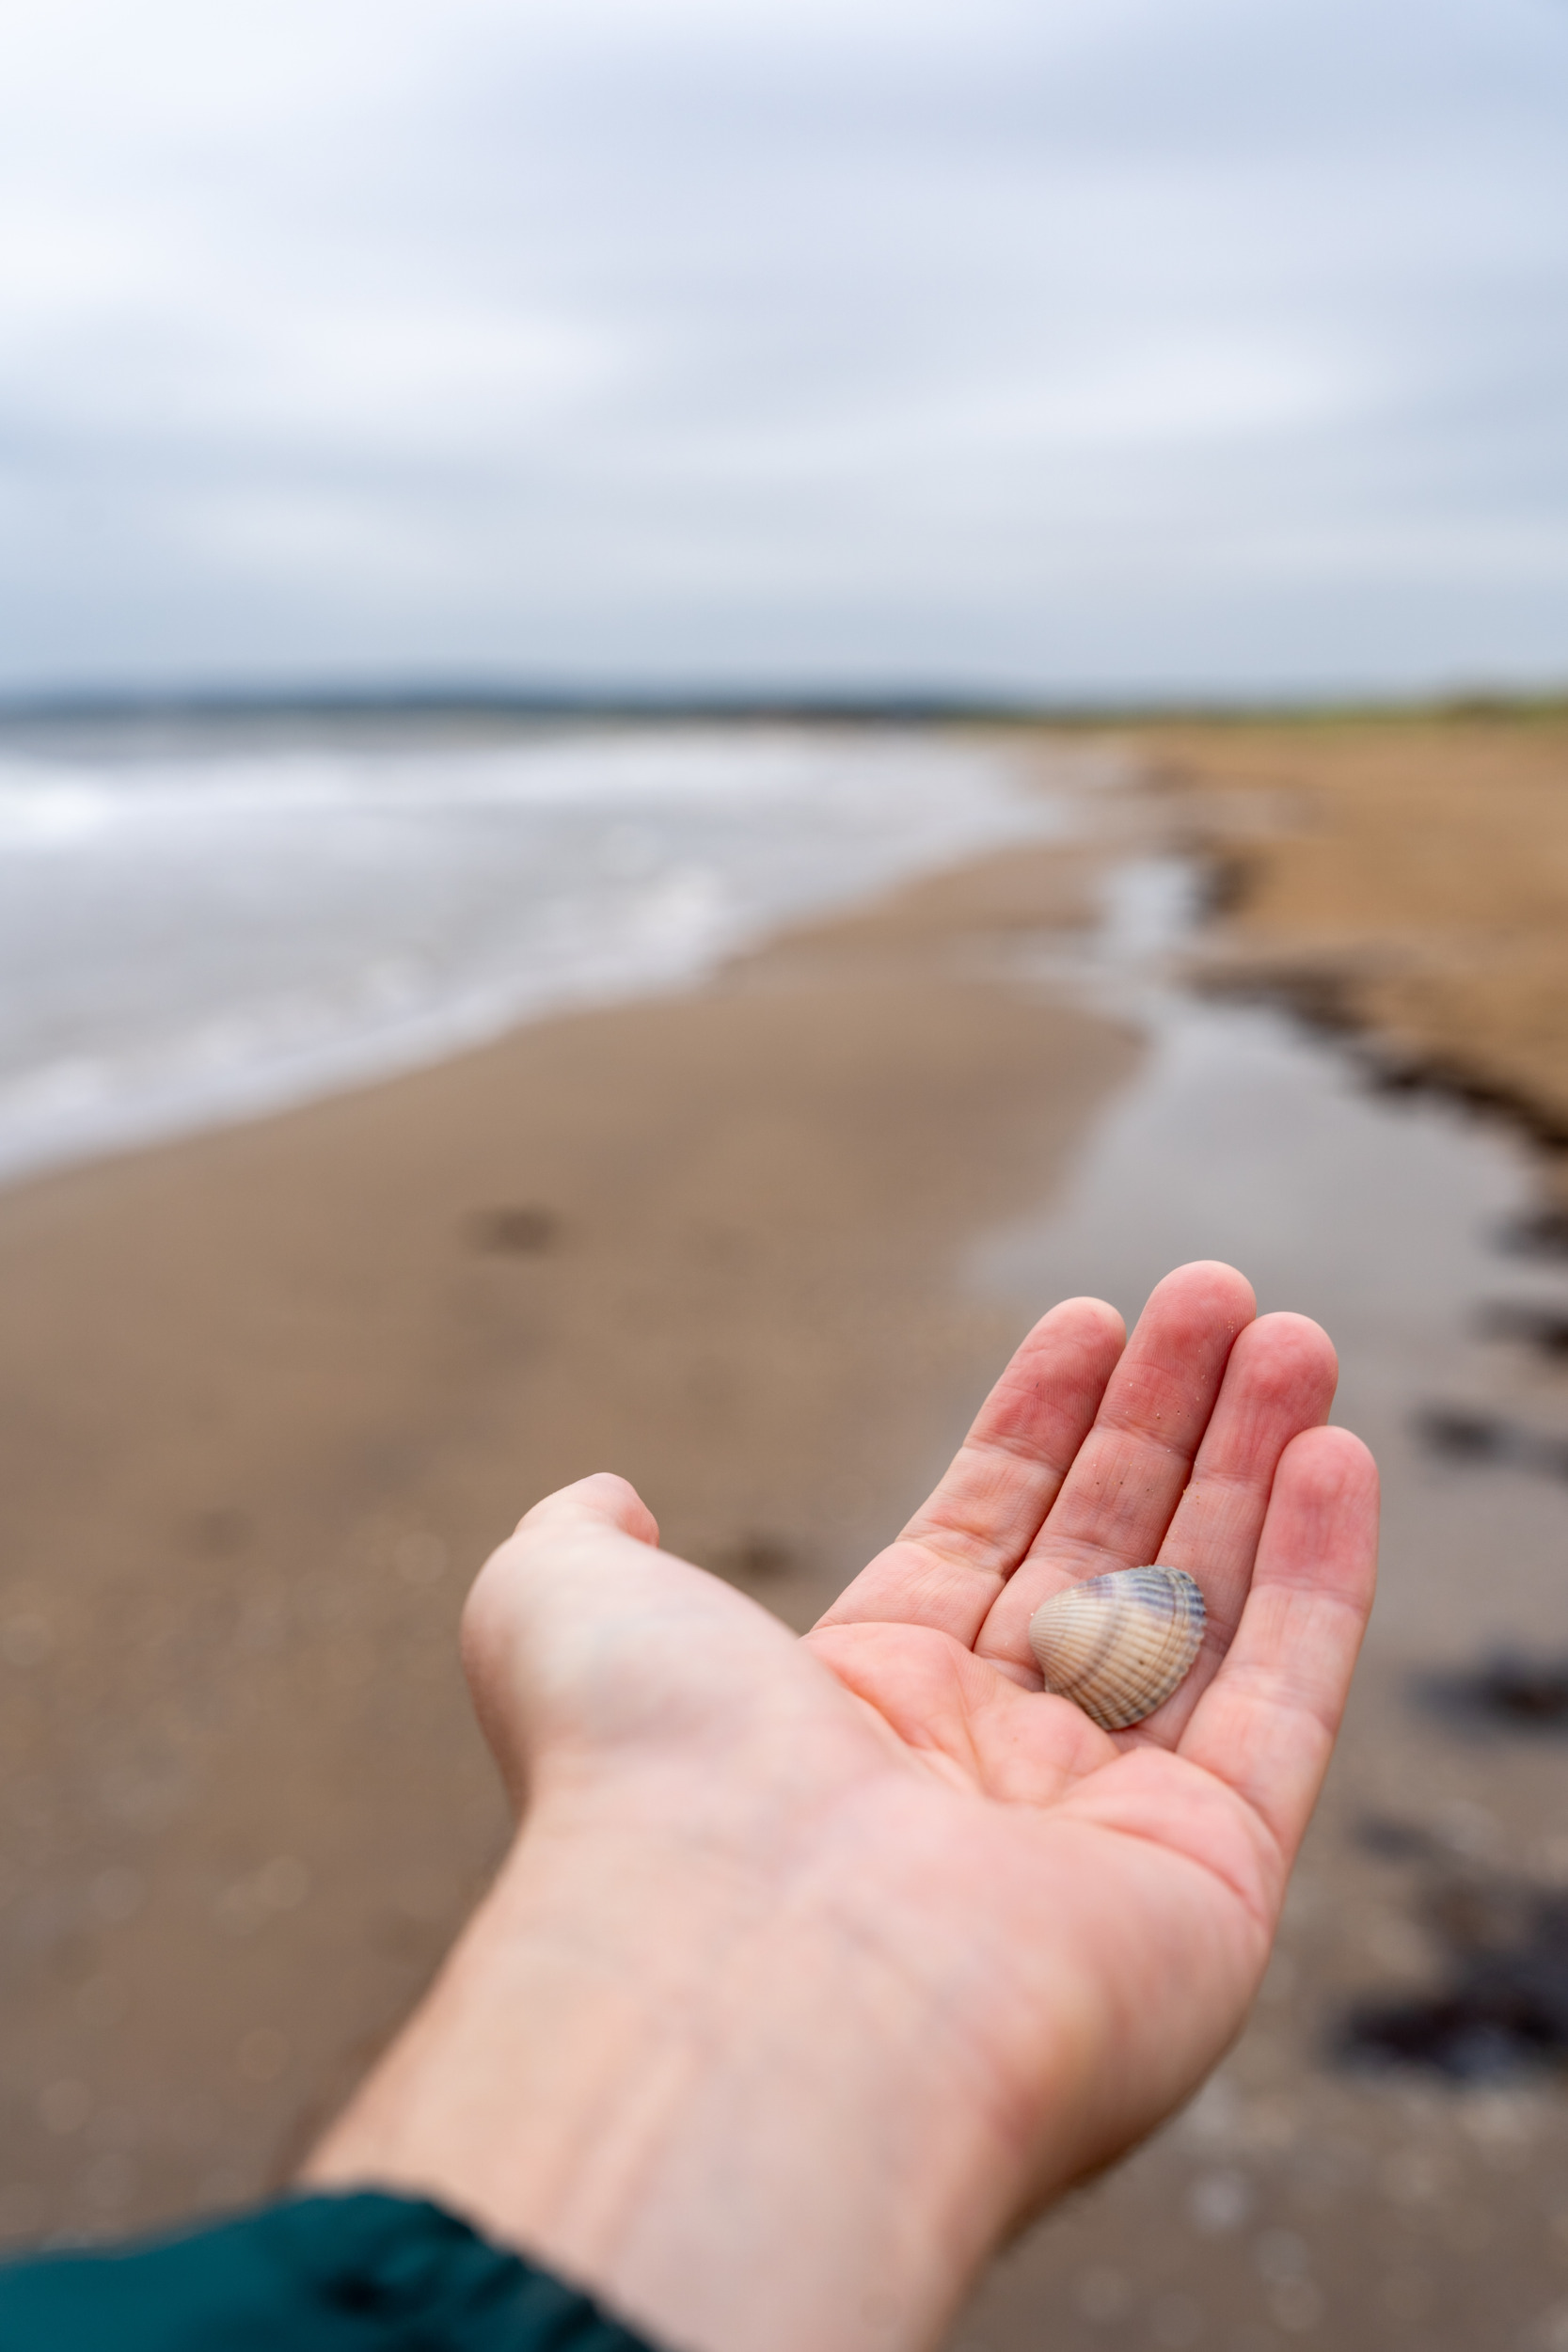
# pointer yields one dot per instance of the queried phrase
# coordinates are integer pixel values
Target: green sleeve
(362, 2273)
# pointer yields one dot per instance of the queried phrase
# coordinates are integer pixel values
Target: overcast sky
(1067, 346)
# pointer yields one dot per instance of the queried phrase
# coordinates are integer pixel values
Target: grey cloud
(1188, 344)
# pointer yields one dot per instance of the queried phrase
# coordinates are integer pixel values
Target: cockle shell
(1118, 1645)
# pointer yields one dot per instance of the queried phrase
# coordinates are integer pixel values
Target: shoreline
(240, 969)
(1402, 884)
(275, 1390)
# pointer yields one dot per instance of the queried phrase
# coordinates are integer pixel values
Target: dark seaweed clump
(1502, 2008)
(1543, 1328)
(1459, 1433)
(1511, 1693)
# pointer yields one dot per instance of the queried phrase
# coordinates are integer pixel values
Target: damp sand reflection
(1384, 2159)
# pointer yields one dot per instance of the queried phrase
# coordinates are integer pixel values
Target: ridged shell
(1118, 1645)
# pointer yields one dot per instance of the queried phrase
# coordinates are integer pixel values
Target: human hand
(819, 1964)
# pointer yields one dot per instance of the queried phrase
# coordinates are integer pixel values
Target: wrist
(739, 2118)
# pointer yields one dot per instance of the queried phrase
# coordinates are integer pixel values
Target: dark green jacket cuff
(362, 2273)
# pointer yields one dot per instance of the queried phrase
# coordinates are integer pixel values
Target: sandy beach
(272, 1393)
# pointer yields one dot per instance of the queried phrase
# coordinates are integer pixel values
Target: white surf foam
(203, 935)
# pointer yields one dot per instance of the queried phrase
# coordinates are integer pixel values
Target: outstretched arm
(818, 1965)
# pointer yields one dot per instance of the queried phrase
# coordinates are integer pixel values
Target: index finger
(960, 1547)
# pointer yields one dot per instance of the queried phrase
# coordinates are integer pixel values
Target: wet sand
(1404, 879)
(271, 1395)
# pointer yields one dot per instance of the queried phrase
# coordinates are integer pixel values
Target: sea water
(205, 926)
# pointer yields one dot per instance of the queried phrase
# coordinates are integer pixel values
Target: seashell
(1118, 1645)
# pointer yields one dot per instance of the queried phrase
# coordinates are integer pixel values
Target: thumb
(584, 1644)
(602, 1499)
(523, 1593)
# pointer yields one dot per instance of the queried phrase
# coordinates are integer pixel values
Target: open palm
(1144, 1870)
(1071, 1923)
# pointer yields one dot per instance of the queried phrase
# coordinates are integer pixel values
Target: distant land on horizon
(289, 702)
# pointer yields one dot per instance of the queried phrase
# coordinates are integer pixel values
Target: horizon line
(479, 699)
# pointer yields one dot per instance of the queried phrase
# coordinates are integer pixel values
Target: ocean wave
(191, 940)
